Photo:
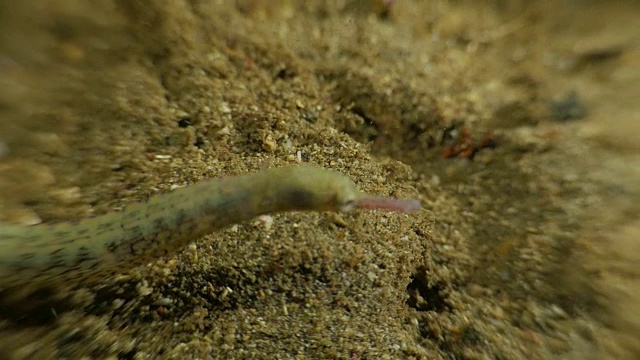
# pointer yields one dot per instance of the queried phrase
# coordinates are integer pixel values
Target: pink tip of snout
(388, 204)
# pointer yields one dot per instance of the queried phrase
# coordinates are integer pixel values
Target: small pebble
(163, 302)
(144, 289)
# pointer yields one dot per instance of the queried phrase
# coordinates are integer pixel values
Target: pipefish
(70, 252)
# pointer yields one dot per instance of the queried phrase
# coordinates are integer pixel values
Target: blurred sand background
(517, 123)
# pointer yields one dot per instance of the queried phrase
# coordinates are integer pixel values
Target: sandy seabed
(515, 123)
